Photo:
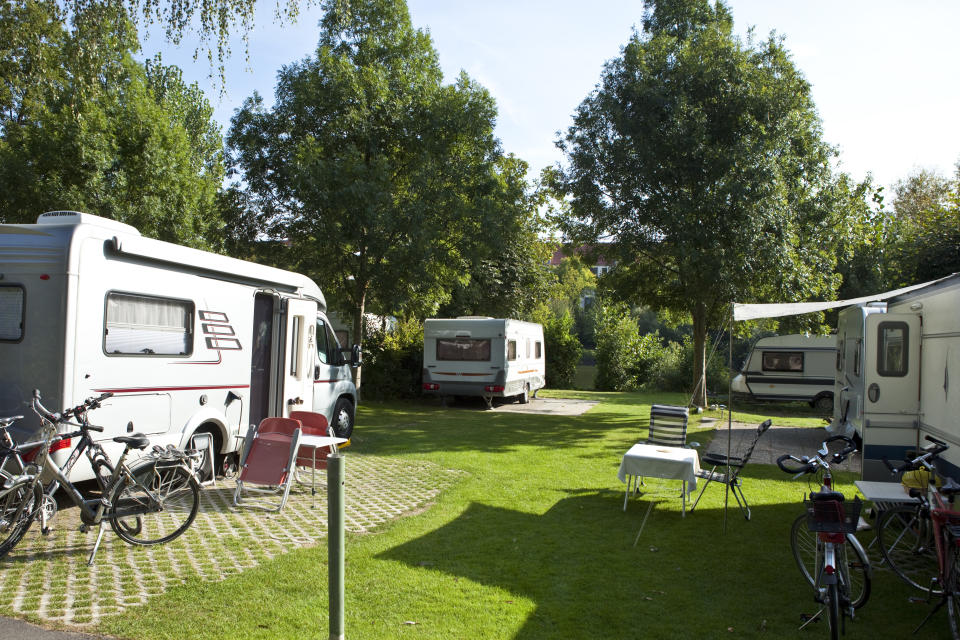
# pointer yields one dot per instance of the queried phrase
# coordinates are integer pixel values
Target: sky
(884, 73)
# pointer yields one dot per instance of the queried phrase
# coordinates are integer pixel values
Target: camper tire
(823, 402)
(343, 418)
(525, 396)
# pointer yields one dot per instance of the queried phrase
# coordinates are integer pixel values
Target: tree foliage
(388, 184)
(701, 157)
(84, 126)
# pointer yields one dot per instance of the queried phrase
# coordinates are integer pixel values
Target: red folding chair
(269, 454)
(313, 424)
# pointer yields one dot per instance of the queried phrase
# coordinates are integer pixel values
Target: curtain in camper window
(463, 349)
(144, 325)
(11, 313)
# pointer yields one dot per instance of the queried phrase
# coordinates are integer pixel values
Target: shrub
(562, 350)
(393, 361)
(675, 369)
(618, 348)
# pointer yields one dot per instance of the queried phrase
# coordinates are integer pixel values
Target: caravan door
(891, 387)
(299, 341)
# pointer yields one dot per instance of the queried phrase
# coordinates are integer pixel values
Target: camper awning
(777, 310)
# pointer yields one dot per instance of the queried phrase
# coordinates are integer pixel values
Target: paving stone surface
(46, 578)
(798, 441)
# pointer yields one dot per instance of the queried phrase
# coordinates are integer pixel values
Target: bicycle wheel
(953, 589)
(158, 507)
(832, 604)
(857, 572)
(905, 537)
(803, 543)
(13, 526)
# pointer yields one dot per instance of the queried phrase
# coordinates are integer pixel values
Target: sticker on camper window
(11, 313)
(782, 361)
(473, 349)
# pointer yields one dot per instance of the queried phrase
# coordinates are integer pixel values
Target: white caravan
(791, 367)
(898, 376)
(485, 357)
(187, 341)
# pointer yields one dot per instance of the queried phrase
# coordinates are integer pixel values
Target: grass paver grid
(46, 579)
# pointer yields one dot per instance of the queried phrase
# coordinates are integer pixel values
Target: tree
(700, 156)
(923, 234)
(85, 126)
(386, 182)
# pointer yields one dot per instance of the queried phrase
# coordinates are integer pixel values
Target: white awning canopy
(777, 310)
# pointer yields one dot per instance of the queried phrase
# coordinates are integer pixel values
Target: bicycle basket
(833, 516)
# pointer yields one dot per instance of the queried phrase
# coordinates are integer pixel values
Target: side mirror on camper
(354, 353)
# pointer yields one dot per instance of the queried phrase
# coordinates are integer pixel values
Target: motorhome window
(511, 350)
(782, 361)
(323, 348)
(539, 350)
(145, 326)
(473, 349)
(892, 348)
(857, 346)
(528, 348)
(342, 336)
(11, 313)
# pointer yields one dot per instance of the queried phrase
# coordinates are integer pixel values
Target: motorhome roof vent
(78, 217)
(475, 317)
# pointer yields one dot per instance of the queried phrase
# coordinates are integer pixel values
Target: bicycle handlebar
(806, 466)
(809, 465)
(925, 460)
(77, 411)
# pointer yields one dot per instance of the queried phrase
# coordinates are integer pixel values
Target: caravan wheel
(823, 402)
(343, 418)
(525, 396)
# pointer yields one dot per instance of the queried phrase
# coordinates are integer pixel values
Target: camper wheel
(823, 402)
(343, 418)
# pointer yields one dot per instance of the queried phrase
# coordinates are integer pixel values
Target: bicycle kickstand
(103, 524)
(810, 618)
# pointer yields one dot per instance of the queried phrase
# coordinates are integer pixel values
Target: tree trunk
(699, 356)
(358, 327)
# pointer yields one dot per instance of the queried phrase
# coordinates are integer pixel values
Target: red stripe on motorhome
(154, 389)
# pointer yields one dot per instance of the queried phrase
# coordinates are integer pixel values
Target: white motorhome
(791, 367)
(898, 376)
(485, 357)
(187, 341)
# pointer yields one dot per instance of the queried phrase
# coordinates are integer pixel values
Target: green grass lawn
(533, 543)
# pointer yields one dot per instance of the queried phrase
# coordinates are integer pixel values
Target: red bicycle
(921, 542)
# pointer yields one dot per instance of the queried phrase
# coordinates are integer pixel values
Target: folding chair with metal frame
(269, 457)
(731, 477)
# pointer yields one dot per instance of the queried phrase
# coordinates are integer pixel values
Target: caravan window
(782, 361)
(539, 351)
(892, 348)
(511, 350)
(11, 313)
(463, 349)
(146, 326)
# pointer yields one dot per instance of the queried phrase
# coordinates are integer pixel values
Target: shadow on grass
(578, 564)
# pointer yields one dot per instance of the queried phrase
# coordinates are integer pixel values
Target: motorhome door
(299, 349)
(891, 403)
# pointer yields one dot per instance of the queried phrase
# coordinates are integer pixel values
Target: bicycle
(152, 501)
(821, 537)
(921, 542)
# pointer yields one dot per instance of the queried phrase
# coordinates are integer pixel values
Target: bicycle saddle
(950, 487)
(135, 441)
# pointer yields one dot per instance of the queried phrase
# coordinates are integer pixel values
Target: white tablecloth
(656, 461)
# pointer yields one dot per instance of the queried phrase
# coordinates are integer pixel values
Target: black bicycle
(151, 501)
